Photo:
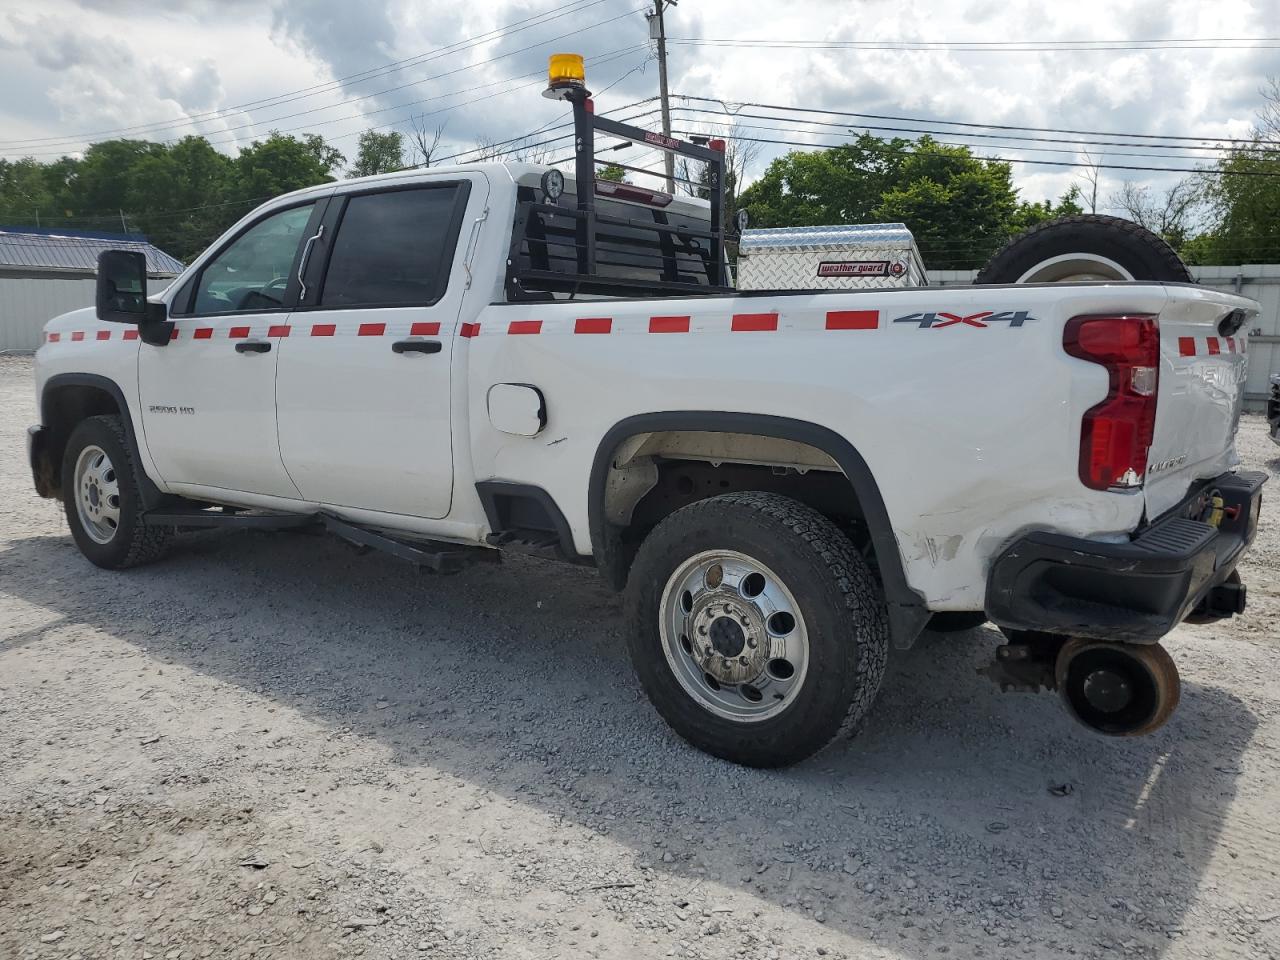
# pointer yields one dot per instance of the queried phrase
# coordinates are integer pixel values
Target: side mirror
(122, 295)
(122, 286)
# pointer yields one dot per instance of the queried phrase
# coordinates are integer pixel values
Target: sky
(232, 70)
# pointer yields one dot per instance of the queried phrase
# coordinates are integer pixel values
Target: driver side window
(252, 273)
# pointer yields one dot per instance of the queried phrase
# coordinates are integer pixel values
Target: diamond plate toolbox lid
(847, 257)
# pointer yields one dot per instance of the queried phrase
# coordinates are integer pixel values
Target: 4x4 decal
(938, 320)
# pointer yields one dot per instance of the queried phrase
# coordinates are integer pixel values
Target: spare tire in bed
(1085, 247)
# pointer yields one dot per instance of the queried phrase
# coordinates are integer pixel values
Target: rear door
(1200, 393)
(363, 384)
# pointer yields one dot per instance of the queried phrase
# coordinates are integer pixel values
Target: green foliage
(1247, 208)
(960, 208)
(181, 195)
(378, 153)
(612, 172)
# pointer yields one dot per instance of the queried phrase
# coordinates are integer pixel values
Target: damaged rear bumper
(1136, 591)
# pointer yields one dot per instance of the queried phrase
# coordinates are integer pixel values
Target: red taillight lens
(1115, 435)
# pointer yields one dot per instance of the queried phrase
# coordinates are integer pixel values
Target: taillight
(1115, 435)
(627, 191)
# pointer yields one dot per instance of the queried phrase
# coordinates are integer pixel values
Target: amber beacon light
(565, 72)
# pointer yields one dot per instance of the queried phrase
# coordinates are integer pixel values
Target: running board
(436, 556)
(222, 517)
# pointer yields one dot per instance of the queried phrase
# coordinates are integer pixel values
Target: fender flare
(152, 497)
(907, 611)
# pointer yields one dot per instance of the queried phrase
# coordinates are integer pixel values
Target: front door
(363, 393)
(208, 396)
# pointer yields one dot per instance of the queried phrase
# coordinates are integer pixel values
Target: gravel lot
(273, 747)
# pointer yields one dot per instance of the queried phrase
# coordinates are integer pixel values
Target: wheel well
(63, 407)
(650, 464)
(652, 475)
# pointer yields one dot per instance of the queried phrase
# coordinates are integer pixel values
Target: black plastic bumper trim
(1134, 592)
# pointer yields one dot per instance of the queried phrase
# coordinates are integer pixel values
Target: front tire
(755, 627)
(102, 499)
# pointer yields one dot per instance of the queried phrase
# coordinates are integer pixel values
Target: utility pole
(658, 31)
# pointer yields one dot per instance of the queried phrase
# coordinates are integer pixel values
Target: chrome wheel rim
(97, 494)
(733, 635)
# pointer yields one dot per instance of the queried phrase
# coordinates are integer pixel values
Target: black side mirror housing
(122, 296)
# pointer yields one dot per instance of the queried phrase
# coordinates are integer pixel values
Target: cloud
(100, 63)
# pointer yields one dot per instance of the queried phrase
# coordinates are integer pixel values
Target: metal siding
(27, 304)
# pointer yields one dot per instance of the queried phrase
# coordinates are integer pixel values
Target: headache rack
(622, 249)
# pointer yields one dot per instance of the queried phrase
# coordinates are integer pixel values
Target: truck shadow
(965, 817)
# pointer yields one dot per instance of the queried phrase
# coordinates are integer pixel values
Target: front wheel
(101, 496)
(755, 627)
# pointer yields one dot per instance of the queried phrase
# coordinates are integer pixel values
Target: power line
(1088, 144)
(379, 93)
(730, 106)
(517, 26)
(935, 134)
(1043, 163)
(977, 46)
(601, 59)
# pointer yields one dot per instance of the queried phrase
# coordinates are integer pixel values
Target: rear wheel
(100, 494)
(1085, 247)
(756, 629)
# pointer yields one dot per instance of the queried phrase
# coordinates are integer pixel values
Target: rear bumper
(42, 469)
(1137, 591)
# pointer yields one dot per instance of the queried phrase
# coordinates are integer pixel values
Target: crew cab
(460, 361)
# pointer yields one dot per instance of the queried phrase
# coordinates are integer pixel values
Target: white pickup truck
(785, 483)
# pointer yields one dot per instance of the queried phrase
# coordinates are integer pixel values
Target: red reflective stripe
(323, 329)
(1187, 346)
(853, 319)
(1215, 348)
(1231, 344)
(104, 334)
(371, 330)
(525, 326)
(749, 322)
(173, 335)
(593, 325)
(424, 330)
(78, 335)
(278, 330)
(54, 337)
(204, 333)
(668, 324)
(131, 334)
(238, 333)
(469, 330)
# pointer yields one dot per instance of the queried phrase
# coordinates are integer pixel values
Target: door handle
(253, 346)
(416, 346)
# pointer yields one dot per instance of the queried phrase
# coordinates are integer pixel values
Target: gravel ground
(272, 747)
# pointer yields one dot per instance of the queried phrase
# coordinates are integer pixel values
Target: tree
(842, 184)
(424, 142)
(378, 153)
(282, 163)
(612, 172)
(1244, 195)
(1173, 214)
(960, 208)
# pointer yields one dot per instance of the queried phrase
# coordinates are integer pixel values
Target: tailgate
(1200, 393)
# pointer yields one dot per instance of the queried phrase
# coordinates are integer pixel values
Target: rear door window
(394, 248)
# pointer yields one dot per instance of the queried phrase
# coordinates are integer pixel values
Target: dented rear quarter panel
(971, 429)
